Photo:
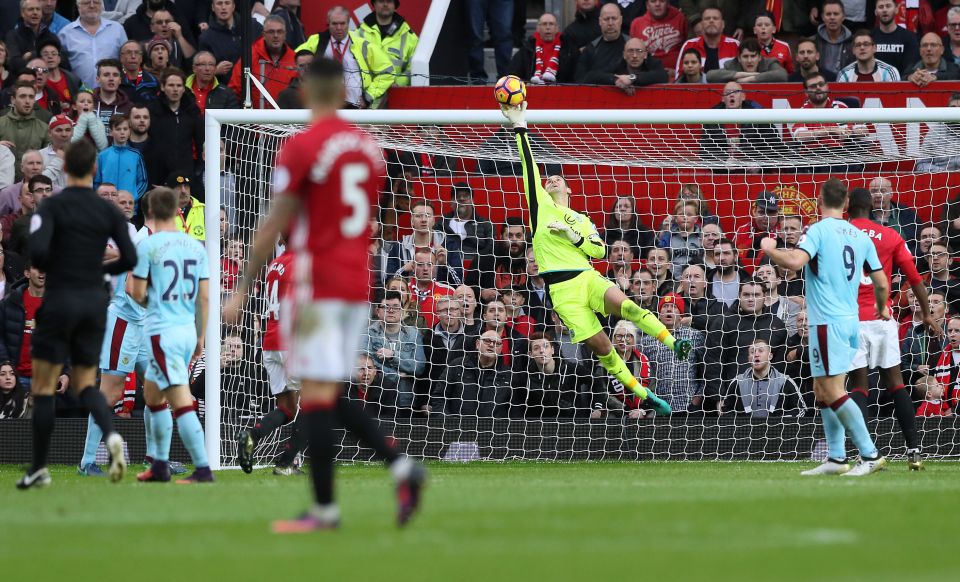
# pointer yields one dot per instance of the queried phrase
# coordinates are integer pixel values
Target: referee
(68, 236)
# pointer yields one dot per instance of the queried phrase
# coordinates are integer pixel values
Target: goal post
(646, 155)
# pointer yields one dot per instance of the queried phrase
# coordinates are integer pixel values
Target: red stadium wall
(729, 195)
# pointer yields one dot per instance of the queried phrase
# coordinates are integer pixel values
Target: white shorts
(323, 338)
(275, 364)
(879, 345)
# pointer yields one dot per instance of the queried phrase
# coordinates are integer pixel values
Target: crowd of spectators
(461, 321)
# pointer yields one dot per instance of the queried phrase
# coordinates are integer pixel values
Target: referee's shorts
(70, 325)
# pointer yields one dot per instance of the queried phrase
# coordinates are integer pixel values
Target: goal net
(477, 366)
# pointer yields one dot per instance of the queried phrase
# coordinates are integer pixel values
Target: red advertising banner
(315, 12)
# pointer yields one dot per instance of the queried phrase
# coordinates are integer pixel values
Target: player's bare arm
(793, 259)
(881, 292)
(137, 289)
(284, 209)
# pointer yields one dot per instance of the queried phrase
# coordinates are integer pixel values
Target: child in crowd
(682, 237)
(120, 164)
(933, 403)
(87, 121)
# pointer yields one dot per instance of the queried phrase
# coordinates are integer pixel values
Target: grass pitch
(495, 522)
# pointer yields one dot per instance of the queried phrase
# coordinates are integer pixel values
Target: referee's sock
(851, 417)
(906, 415)
(44, 416)
(93, 400)
(617, 368)
(354, 419)
(319, 418)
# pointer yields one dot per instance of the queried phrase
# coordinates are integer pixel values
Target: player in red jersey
(284, 388)
(325, 183)
(879, 339)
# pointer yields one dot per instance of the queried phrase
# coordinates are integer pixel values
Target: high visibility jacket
(376, 70)
(399, 43)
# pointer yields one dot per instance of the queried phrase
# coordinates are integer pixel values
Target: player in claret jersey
(879, 339)
(283, 387)
(326, 181)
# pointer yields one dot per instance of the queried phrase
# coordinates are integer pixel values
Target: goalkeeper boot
(829, 467)
(39, 478)
(914, 460)
(245, 446)
(659, 405)
(411, 478)
(318, 518)
(200, 475)
(867, 466)
(118, 462)
(681, 348)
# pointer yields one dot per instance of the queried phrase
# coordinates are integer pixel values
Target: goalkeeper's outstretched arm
(533, 190)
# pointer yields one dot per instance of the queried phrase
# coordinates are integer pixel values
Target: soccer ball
(510, 90)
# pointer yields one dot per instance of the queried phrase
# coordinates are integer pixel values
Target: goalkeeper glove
(659, 405)
(515, 114)
(560, 229)
(682, 348)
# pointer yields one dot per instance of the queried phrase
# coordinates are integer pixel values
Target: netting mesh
(470, 376)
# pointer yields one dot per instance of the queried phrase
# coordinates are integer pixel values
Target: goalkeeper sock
(90, 446)
(647, 322)
(93, 400)
(191, 433)
(906, 415)
(270, 422)
(617, 368)
(835, 433)
(354, 419)
(319, 418)
(849, 414)
(44, 417)
(161, 431)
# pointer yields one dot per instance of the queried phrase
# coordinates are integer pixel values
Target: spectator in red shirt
(664, 28)
(517, 320)
(273, 63)
(764, 27)
(932, 404)
(714, 47)
(764, 222)
(230, 264)
(206, 88)
(425, 285)
(616, 398)
(824, 136)
(64, 83)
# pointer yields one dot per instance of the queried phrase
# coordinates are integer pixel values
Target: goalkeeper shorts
(577, 302)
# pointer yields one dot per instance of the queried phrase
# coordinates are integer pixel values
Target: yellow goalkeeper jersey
(555, 253)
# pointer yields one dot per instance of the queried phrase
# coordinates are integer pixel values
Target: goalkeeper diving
(563, 242)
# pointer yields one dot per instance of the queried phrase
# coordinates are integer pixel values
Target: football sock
(647, 322)
(161, 430)
(295, 444)
(270, 422)
(354, 419)
(44, 415)
(319, 418)
(906, 415)
(861, 397)
(835, 433)
(93, 400)
(90, 446)
(614, 364)
(147, 432)
(191, 433)
(849, 414)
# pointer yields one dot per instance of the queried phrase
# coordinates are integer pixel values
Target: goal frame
(216, 118)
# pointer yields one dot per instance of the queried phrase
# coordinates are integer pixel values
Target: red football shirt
(278, 285)
(336, 171)
(30, 306)
(892, 252)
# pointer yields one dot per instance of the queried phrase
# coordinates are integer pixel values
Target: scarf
(775, 7)
(547, 55)
(946, 374)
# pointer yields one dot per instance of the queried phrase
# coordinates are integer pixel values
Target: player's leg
(290, 400)
(284, 413)
(111, 385)
(117, 357)
(84, 378)
(836, 462)
(43, 393)
(905, 412)
(863, 361)
(616, 303)
(160, 433)
(190, 431)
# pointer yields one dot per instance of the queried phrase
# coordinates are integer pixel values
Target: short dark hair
(725, 241)
(837, 2)
(765, 14)
(459, 187)
(115, 63)
(391, 295)
(49, 40)
(323, 80)
(748, 283)
(809, 41)
(806, 82)
(119, 118)
(163, 202)
(861, 32)
(172, 72)
(750, 44)
(513, 221)
(80, 159)
(861, 203)
(39, 179)
(834, 193)
(540, 335)
(145, 205)
(24, 85)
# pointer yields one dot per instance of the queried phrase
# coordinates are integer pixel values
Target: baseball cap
(767, 201)
(676, 300)
(177, 179)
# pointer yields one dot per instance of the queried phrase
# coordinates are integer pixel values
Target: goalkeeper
(563, 239)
